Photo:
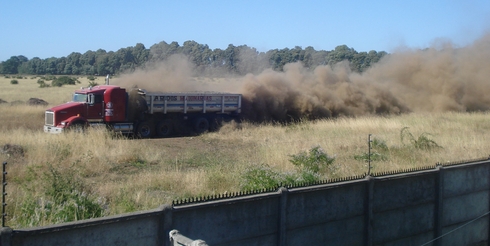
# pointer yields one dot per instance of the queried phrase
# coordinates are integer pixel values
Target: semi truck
(141, 113)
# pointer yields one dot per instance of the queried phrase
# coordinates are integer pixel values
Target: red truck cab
(105, 104)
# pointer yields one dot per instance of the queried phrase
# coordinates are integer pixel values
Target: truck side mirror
(91, 99)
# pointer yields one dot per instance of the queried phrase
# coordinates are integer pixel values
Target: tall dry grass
(124, 175)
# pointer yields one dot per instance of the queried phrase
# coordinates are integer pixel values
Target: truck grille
(49, 118)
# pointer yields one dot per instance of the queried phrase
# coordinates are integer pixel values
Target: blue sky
(56, 28)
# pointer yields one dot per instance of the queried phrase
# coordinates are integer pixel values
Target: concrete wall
(399, 209)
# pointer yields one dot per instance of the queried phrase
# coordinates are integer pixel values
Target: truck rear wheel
(145, 130)
(216, 124)
(201, 125)
(165, 128)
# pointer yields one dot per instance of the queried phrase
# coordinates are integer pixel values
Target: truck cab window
(94, 99)
(98, 99)
(79, 97)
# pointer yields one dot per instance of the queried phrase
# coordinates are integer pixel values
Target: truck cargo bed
(224, 103)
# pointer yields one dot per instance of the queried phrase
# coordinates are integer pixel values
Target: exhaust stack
(107, 80)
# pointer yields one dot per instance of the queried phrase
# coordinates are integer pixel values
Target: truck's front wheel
(145, 130)
(78, 127)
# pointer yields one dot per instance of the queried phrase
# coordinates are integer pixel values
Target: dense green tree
(341, 53)
(162, 51)
(140, 54)
(73, 65)
(50, 66)
(238, 60)
(102, 62)
(158, 51)
(249, 60)
(88, 58)
(231, 59)
(199, 54)
(11, 65)
(36, 66)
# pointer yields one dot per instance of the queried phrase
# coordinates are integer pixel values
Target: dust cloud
(177, 74)
(324, 92)
(436, 79)
(172, 75)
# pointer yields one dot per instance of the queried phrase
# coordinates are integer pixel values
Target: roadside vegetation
(59, 178)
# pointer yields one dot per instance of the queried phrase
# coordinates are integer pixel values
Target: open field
(53, 174)
(27, 87)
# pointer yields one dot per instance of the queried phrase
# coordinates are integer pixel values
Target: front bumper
(53, 129)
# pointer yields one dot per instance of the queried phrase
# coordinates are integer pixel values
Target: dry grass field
(53, 177)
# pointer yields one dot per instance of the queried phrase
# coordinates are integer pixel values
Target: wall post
(368, 211)
(282, 226)
(6, 236)
(165, 225)
(438, 202)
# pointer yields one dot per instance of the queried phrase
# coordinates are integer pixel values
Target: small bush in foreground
(422, 142)
(14, 82)
(66, 198)
(264, 178)
(378, 152)
(309, 164)
(315, 159)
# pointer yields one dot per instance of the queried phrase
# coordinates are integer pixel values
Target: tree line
(238, 60)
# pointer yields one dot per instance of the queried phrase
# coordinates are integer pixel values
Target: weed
(423, 142)
(66, 198)
(130, 164)
(60, 151)
(315, 159)
(378, 152)
(260, 178)
(92, 84)
(309, 165)
(125, 203)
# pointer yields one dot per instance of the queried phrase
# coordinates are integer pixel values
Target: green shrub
(260, 178)
(66, 198)
(315, 159)
(48, 77)
(378, 152)
(14, 82)
(264, 178)
(422, 142)
(309, 164)
(92, 84)
(375, 156)
(64, 80)
(41, 83)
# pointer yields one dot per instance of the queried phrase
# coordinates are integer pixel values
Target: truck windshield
(79, 97)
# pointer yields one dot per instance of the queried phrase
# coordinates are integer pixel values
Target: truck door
(95, 107)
